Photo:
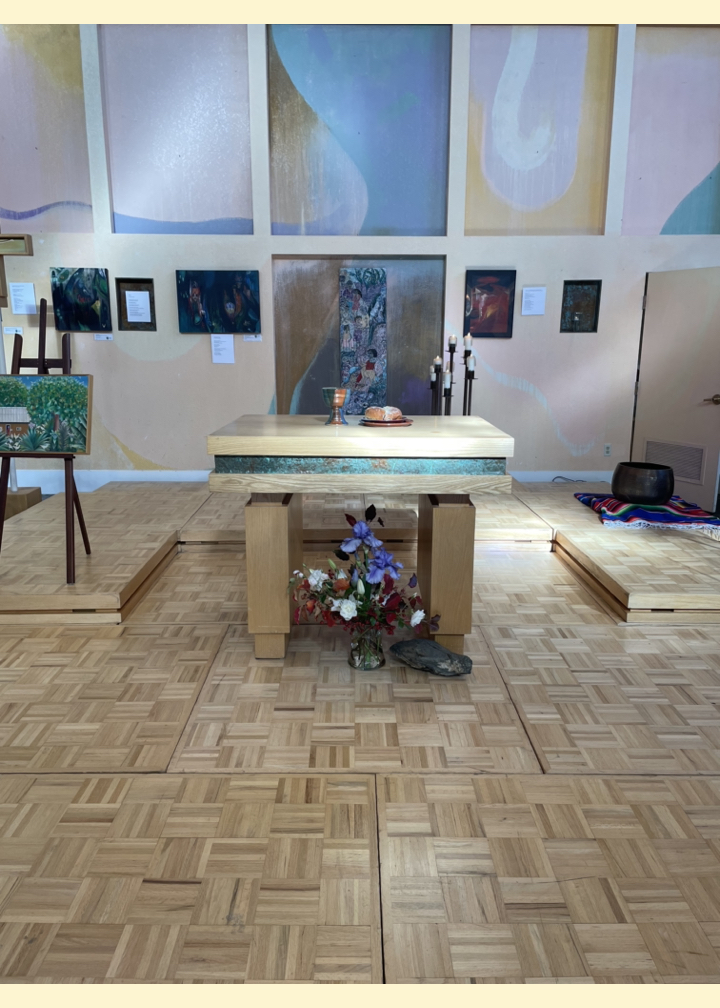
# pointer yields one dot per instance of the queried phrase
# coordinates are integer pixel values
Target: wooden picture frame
(580, 306)
(489, 303)
(123, 285)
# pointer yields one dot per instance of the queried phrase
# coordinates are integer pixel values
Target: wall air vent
(686, 460)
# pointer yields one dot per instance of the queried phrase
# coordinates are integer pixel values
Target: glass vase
(366, 651)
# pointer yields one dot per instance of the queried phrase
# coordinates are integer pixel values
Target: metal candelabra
(441, 382)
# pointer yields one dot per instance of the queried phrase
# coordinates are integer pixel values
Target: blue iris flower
(362, 536)
(380, 564)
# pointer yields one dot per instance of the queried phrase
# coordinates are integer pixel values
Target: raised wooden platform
(639, 576)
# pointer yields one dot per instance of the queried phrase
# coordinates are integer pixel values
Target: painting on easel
(48, 414)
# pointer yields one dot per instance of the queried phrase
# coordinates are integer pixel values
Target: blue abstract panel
(359, 120)
(178, 128)
(363, 337)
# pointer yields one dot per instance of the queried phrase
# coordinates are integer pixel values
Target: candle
(433, 374)
(453, 340)
(467, 341)
(448, 379)
(438, 362)
(471, 363)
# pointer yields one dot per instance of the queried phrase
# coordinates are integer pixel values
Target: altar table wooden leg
(446, 539)
(273, 542)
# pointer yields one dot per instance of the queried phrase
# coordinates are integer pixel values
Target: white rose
(348, 608)
(417, 617)
(316, 578)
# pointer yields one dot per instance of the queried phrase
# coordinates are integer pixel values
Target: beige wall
(562, 396)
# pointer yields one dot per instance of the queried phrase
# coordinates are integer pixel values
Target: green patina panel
(298, 464)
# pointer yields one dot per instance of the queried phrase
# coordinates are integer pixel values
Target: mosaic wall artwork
(44, 174)
(359, 119)
(309, 334)
(81, 299)
(218, 301)
(539, 128)
(177, 127)
(363, 337)
(45, 413)
(673, 171)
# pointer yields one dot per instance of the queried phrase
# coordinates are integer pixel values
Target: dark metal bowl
(643, 483)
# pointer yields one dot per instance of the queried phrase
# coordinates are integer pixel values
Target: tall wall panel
(539, 128)
(359, 120)
(673, 173)
(44, 175)
(178, 128)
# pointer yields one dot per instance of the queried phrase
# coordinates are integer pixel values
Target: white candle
(467, 341)
(448, 379)
(453, 340)
(471, 363)
(438, 360)
(433, 374)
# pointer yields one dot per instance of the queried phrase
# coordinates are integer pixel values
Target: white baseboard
(52, 481)
(546, 476)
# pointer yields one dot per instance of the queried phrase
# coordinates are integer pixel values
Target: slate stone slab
(427, 656)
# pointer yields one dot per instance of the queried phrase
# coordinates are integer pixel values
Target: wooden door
(675, 424)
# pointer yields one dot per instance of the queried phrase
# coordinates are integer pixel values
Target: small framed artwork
(81, 299)
(136, 305)
(489, 303)
(222, 302)
(580, 306)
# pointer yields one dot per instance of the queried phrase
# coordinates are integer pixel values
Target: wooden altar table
(278, 458)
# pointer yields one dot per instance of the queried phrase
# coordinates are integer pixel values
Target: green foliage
(12, 391)
(57, 394)
(36, 439)
(6, 443)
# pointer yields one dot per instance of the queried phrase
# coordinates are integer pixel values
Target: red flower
(310, 605)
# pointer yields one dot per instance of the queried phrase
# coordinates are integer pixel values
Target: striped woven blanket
(677, 514)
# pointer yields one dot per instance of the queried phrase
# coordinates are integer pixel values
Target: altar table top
(302, 435)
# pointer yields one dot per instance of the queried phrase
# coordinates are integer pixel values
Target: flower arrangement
(365, 600)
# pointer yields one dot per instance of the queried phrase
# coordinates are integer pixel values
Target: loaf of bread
(383, 413)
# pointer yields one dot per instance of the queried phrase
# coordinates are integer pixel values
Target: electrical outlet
(608, 449)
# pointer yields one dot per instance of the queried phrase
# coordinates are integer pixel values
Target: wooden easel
(72, 499)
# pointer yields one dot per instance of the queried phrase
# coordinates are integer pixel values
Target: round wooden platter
(405, 422)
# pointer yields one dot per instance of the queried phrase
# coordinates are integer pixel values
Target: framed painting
(135, 305)
(81, 299)
(218, 301)
(489, 303)
(580, 306)
(48, 414)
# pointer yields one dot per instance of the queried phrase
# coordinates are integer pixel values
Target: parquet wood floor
(312, 711)
(550, 880)
(615, 699)
(121, 879)
(99, 699)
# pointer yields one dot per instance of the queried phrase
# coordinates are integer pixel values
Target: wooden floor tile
(99, 699)
(611, 699)
(533, 908)
(246, 878)
(313, 711)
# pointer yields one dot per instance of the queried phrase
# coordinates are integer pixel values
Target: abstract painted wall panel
(307, 298)
(359, 120)
(178, 128)
(673, 173)
(539, 128)
(44, 175)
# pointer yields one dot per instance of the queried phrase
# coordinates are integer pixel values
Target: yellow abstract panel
(539, 128)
